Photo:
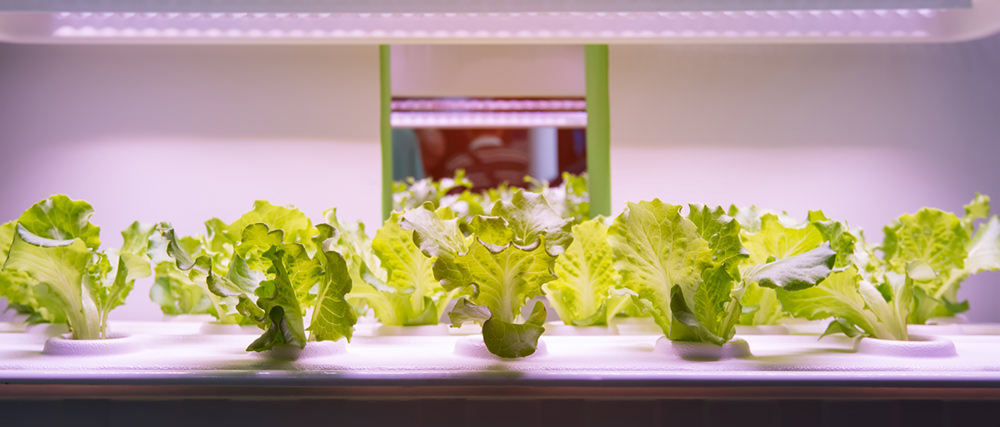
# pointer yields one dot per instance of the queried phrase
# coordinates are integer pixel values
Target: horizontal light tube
(406, 119)
(900, 23)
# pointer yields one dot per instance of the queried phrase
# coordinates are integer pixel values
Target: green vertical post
(598, 130)
(385, 86)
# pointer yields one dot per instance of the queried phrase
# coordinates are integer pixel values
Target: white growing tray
(175, 356)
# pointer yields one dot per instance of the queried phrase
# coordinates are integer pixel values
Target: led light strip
(491, 120)
(553, 25)
(437, 104)
(451, 6)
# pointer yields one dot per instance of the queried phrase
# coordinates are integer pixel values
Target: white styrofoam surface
(175, 351)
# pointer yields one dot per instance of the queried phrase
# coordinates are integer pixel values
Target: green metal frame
(598, 129)
(385, 86)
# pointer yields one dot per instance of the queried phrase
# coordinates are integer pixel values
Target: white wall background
(183, 133)
(488, 71)
(864, 132)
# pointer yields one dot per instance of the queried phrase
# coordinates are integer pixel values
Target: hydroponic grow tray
(175, 359)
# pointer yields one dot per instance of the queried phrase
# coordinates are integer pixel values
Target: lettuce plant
(926, 255)
(568, 199)
(391, 275)
(769, 236)
(55, 271)
(272, 268)
(686, 270)
(502, 264)
(945, 249)
(587, 290)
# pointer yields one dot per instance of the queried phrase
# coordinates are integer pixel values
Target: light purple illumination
(901, 23)
(439, 104)
(490, 119)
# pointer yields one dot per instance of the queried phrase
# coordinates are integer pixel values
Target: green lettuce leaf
(465, 311)
(440, 237)
(709, 314)
(933, 239)
(60, 270)
(506, 278)
(282, 314)
(796, 272)
(984, 248)
(978, 208)
(529, 218)
(60, 218)
(295, 225)
(177, 293)
(502, 279)
(511, 340)
(583, 292)
(54, 271)
(778, 248)
(332, 317)
(656, 248)
(855, 303)
(17, 287)
(416, 297)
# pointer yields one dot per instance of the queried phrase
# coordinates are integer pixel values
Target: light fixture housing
(500, 22)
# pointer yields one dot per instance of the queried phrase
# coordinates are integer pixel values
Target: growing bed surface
(174, 356)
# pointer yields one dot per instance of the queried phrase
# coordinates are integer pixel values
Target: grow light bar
(465, 104)
(451, 6)
(561, 119)
(891, 21)
(565, 26)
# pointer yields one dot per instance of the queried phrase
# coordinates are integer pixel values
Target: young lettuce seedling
(503, 263)
(54, 270)
(686, 270)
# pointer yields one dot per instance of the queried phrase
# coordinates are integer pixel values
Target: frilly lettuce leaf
(54, 271)
(933, 240)
(17, 287)
(72, 279)
(280, 314)
(656, 248)
(294, 223)
(176, 292)
(499, 275)
(440, 237)
(856, 304)
(778, 259)
(687, 271)
(332, 316)
(584, 291)
(529, 217)
(60, 218)
(404, 291)
(505, 278)
(978, 208)
(984, 248)
(59, 269)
